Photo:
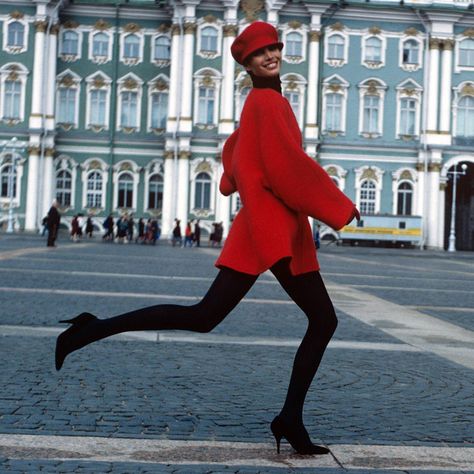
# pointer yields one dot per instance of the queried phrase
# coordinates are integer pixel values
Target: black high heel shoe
(297, 437)
(64, 345)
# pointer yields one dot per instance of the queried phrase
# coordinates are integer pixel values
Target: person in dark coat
(141, 231)
(177, 236)
(75, 228)
(109, 228)
(131, 228)
(54, 218)
(197, 234)
(280, 186)
(89, 227)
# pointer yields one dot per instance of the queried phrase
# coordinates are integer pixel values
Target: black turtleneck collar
(266, 82)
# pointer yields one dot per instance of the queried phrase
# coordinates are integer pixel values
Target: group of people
(192, 234)
(77, 225)
(148, 232)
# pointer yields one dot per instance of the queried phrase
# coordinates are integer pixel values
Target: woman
(280, 186)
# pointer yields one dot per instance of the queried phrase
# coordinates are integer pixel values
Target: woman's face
(265, 62)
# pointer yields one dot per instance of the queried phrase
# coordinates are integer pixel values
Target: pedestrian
(281, 186)
(177, 237)
(109, 228)
(89, 227)
(212, 235)
(80, 225)
(44, 223)
(219, 233)
(122, 227)
(54, 218)
(188, 235)
(75, 229)
(141, 231)
(154, 231)
(197, 234)
(130, 228)
(317, 237)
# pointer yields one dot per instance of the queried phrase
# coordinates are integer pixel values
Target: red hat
(257, 35)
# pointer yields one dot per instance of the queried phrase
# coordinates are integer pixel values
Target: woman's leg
(309, 293)
(226, 291)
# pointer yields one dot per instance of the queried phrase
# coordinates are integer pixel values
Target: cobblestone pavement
(380, 402)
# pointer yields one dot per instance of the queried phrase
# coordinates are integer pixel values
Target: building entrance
(464, 224)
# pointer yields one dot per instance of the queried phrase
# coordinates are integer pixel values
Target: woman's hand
(355, 214)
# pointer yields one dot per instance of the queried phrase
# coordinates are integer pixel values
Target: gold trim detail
(184, 155)
(230, 30)
(41, 26)
(435, 43)
(411, 31)
(67, 81)
(338, 26)
(434, 167)
(164, 28)
(210, 18)
(226, 121)
(132, 28)
(130, 83)
(294, 24)
(448, 44)
(334, 87)
(469, 32)
(420, 167)
(468, 89)
(168, 154)
(17, 15)
(189, 28)
(55, 29)
(71, 24)
(175, 30)
(101, 25)
(251, 8)
(49, 152)
(160, 85)
(443, 186)
(34, 150)
(369, 173)
(375, 30)
(98, 82)
(314, 35)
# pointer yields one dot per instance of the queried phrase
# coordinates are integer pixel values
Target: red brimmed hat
(257, 35)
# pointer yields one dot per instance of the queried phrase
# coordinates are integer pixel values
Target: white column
(223, 205)
(174, 78)
(187, 78)
(433, 85)
(167, 211)
(441, 214)
(51, 77)
(433, 204)
(32, 190)
(183, 187)
(445, 95)
(38, 78)
(226, 122)
(420, 190)
(48, 176)
(311, 126)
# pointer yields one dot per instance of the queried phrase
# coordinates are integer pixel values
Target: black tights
(229, 287)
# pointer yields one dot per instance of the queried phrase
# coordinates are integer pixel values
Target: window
(465, 117)
(66, 105)
(411, 52)
(162, 48)
(404, 201)
(333, 112)
(209, 39)
(373, 49)
(63, 188)
(367, 197)
(371, 114)
(407, 116)
(100, 45)
(244, 92)
(294, 45)
(98, 100)
(131, 47)
(16, 35)
(466, 53)
(8, 181)
(128, 116)
(159, 110)
(12, 100)
(70, 44)
(125, 190)
(206, 105)
(294, 100)
(202, 198)
(155, 192)
(94, 190)
(336, 47)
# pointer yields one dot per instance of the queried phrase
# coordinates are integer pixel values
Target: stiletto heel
(64, 345)
(298, 438)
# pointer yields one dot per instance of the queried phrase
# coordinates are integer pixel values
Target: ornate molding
(208, 81)
(334, 87)
(468, 32)
(55, 29)
(98, 82)
(101, 25)
(164, 28)
(168, 154)
(230, 30)
(17, 15)
(294, 24)
(252, 8)
(71, 24)
(130, 83)
(448, 44)
(67, 81)
(34, 150)
(372, 87)
(132, 28)
(210, 18)
(435, 43)
(411, 31)
(189, 28)
(375, 30)
(338, 26)
(468, 89)
(41, 26)
(204, 167)
(434, 167)
(369, 173)
(160, 85)
(175, 29)
(314, 35)
(184, 154)
(49, 152)
(420, 167)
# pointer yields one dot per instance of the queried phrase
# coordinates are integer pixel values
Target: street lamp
(452, 234)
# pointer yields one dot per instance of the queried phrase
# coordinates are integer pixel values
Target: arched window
(371, 114)
(162, 48)
(16, 34)
(125, 190)
(12, 100)
(466, 52)
(94, 189)
(155, 192)
(131, 47)
(70, 43)
(407, 116)
(159, 110)
(294, 44)
(336, 47)
(335, 181)
(100, 45)
(367, 197)
(202, 196)
(411, 52)
(63, 188)
(8, 181)
(404, 199)
(206, 105)
(333, 112)
(465, 117)
(209, 39)
(373, 49)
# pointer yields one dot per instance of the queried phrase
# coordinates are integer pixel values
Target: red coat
(279, 186)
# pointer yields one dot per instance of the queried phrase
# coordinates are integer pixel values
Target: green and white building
(124, 106)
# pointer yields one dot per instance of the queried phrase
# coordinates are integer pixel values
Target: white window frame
(242, 82)
(383, 46)
(141, 40)
(295, 83)
(154, 167)
(15, 49)
(65, 163)
(458, 40)
(207, 77)
(216, 25)
(367, 88)
(66, 57)
(198, 165)
(122, 87)
(14, 72)
(159, 62)
(334, 85)
(152, 90)
(465, 88)
(339, 174)
(408, 89)
(90, 165)
(376, 175)
(410, 67)
(76, 84)
(336, 62)
(302, 31)
(101, 59)
(129, 167)
(90, 86)
(6, 160)
(398, 177)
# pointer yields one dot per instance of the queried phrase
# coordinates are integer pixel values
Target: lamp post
(452, 234)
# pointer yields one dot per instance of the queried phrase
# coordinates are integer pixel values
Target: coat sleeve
(227, 184)
(295, 178)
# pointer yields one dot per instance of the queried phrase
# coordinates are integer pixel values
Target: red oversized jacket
(279, 186)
